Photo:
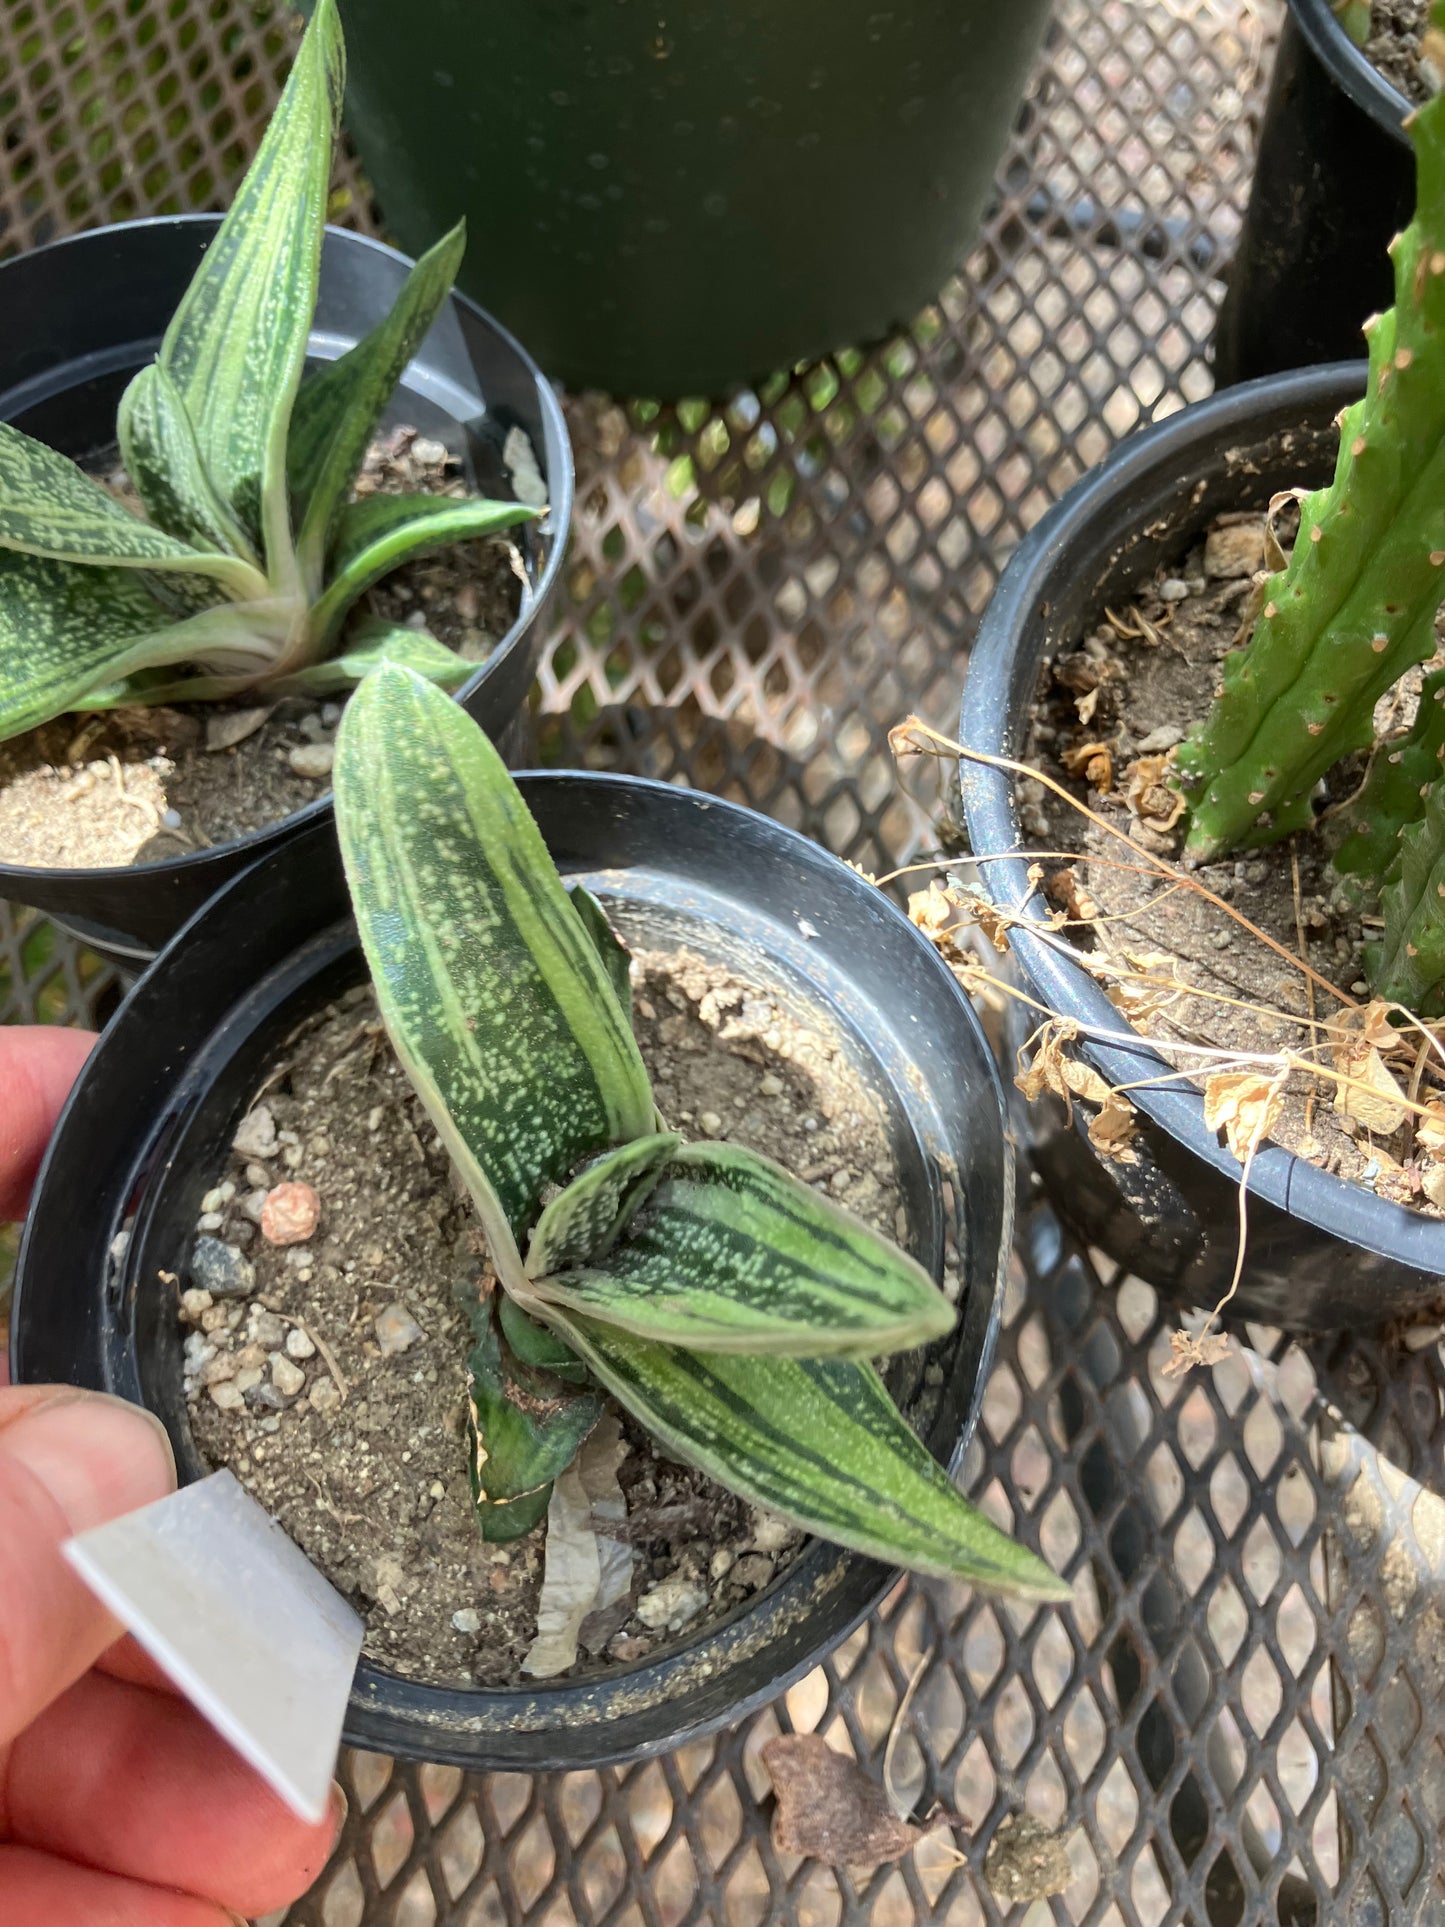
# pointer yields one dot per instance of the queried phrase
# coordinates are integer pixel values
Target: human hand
(119, 1805)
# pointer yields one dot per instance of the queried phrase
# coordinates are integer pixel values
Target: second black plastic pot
(149, 1123)
(86, 313)
(1334, 182)
(671, 200)
(1322, 1253)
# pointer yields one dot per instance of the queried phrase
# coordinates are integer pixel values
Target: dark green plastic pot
(669, 199)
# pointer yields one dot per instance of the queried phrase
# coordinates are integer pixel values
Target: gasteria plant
(253, 552)
(1354, 609)
(726, 1305)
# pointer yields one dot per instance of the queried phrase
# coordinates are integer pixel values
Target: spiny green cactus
(1408, 966)
(1354, 608)
(1393, 797)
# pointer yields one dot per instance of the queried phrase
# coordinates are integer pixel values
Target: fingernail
(341, 1808)
(96, 1456)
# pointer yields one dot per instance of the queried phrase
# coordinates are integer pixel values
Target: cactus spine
(1354, 608)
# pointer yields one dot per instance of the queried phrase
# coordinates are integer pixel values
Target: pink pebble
(290, 1214)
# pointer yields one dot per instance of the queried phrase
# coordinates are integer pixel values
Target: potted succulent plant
(1333, 182)
(184, 607)
(1243, 748)
(480, 1239)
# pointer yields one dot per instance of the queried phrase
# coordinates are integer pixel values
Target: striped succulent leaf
(376, 642)
(380, 532)
(493, 994)
(579, 1225)
(49, 508)
(236, 346)
(535, 1345)
(818, 1440)
(615, 955)
(65, 631)
(730, 1253)
(338, 408)
(163, 460)
(517, 1444)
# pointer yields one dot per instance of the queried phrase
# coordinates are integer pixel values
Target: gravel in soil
(328, 1372)
(1397, 28)
(130, 786)
(1108, 715)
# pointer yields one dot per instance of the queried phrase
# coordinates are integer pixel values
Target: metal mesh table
(1241, 1716)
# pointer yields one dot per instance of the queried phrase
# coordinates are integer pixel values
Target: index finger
(38, 1065)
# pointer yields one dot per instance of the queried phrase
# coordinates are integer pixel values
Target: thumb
(69, 1460)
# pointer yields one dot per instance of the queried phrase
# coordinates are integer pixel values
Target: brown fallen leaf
(1186, 1352)
(829, 1809)
(1112, 1129)
(1095, 760)
(1430, 1129)
(1148, 794)
(1244, 1105)
(1356, 1037)
(1053, 1070)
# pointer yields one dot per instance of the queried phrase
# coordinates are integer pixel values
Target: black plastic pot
(672, 200)
(86, 313)
(1334, 182)
(149, 1122)
(1322, 1252)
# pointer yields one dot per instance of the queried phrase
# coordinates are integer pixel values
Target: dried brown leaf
(1095, 761)
(829, 1809)
(1244, 1105)
(1148, 794)
(1355, 1039)
(1186, 1352)
(1112, 1129)
(1086, 705)
(1052, 1069)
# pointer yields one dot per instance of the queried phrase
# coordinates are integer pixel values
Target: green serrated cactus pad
(1352, 610)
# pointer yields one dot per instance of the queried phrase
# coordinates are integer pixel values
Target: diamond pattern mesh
(1240, 1717)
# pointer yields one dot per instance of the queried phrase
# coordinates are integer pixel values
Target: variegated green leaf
(163, 460)
(236, 345)
(615, 955)
(66, 630)
(380, 532)
(517, 1444)
(338, 407)
(494, 997)
(730, 1253)
(579, 1225)
(48, 507)
(378, 642)
(818, 1440)
(534, 1345)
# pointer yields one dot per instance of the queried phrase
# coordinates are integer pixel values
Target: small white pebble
(770, 1084)
(396, 1330)
(193, 1303)
(468, 1620)
(288, 1378)
(709, 1123)
(249, 1379)
(312, 760)
(227, 1395)
(1173, 590)
(298, 1345)
(210, 1221)
(170, 819)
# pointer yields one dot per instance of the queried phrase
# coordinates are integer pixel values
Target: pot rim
(1348, 67)
(1340, 1206)
(399, 1710)
(560, 491)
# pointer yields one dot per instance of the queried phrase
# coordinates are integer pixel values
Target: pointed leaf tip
(494, 996)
